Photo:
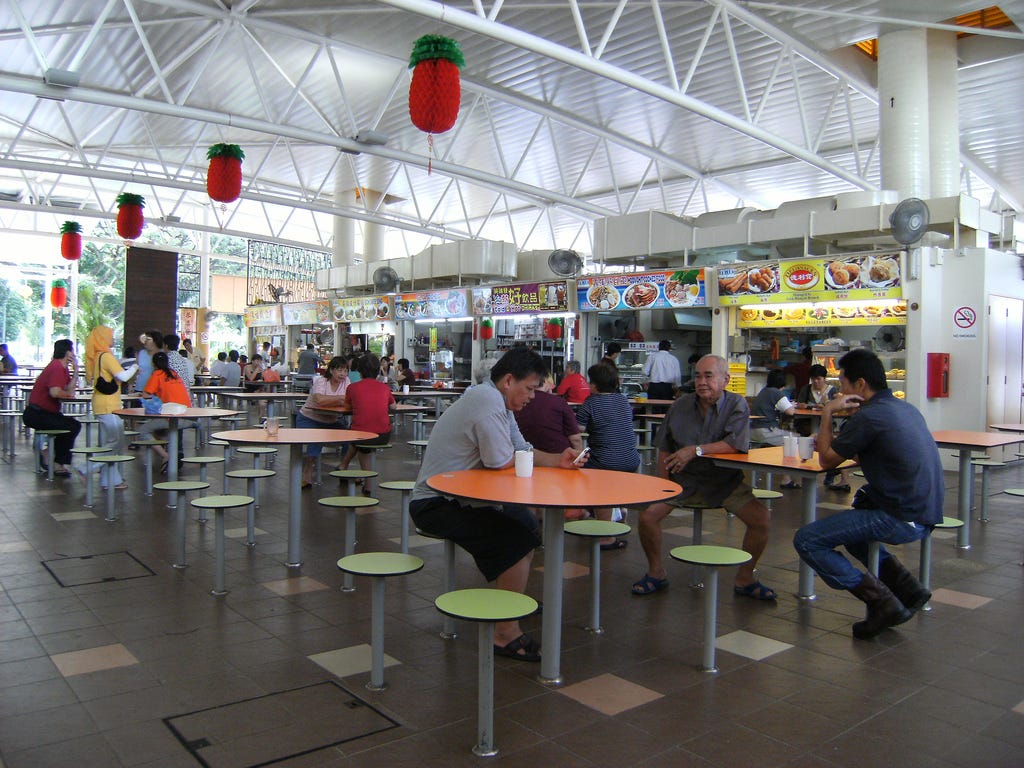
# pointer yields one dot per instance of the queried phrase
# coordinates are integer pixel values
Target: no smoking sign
(964, 317)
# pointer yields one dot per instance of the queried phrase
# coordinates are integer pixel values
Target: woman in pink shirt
(371, 402)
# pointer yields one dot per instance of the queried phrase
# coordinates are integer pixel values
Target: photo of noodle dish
(881, 272)
(640, 295)
(603, 297)
(681, 294)
(843, 275)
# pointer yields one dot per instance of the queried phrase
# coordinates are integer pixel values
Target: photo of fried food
(843, 275)
(770, 314)
(761, 279)
(731, 285)
(898, 310)
(884, 271)
(844, 311)
(748, 314)
(796, 313)
(872, 310)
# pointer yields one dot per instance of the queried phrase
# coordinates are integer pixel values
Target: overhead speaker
(909, 221)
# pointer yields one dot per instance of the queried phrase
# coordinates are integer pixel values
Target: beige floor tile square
(415, 540)
(241, 533)
(609, 694)
(15, 546)
(61, 517)
(959, 599)
(750, 646)
(1019, 709)
(938, 533)
(355, 660)
(297, 586)
(570, 570)
(44, 493)
(93, 660)
(685, 531)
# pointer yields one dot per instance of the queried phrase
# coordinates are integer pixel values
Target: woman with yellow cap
(102, 363)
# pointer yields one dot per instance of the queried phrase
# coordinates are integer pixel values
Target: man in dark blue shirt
(900, 504)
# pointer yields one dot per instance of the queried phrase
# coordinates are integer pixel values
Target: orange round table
(553, 488)
(294, 439)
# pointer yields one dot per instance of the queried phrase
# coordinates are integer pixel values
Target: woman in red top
(55, 383)
(573, 387)
(371, 402)
(168, 386)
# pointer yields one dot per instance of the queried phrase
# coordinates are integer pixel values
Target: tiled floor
(132, 668)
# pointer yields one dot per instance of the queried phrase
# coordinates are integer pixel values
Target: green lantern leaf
(71, 228)
(59, 284)
(486, 322)
(225, 150)
(127, 198)
(436, 47)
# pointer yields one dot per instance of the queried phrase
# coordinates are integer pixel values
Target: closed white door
(1005, 381)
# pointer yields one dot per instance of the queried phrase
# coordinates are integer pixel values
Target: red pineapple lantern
(58, 294)
(486, 329)
(553, 330)
(224, 176)
(71, 240)
(435, 92)
(129, 215)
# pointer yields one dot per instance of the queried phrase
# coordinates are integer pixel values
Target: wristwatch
(698, 450)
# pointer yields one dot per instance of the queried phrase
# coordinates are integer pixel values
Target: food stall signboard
(261, 315)
(431, 305)
(361, 309)
(810, 317)
(307, 312)
(642, 290)
(522, 297)
(860, 277)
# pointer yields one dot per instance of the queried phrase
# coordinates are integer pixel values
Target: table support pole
(377, 636)
(963, 497)
(710, 618)
(551, 642)
(810, 502)
(485, 691)
(294, 505)
(173, 436)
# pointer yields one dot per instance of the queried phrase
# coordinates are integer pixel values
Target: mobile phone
(582, 457)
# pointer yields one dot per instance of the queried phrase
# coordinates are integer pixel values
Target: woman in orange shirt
(168, 386)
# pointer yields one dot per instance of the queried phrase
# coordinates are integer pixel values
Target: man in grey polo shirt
(479, 431)
(698, 425)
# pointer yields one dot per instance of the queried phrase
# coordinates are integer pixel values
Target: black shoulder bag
(105, 386)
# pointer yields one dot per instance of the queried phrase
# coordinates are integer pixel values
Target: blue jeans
(854, 528)
(304, 422)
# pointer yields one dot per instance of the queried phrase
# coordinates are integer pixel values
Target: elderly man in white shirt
(663, 372)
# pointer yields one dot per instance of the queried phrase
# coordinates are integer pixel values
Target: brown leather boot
(884, 610)
(903, 584)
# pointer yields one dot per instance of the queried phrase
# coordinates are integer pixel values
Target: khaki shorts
(739, 498)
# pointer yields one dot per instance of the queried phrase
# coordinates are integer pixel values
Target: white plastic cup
(806, 448)
(524, 463)
(271, 426)
(790, 446)
(405, 389)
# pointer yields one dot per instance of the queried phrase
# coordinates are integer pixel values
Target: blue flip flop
(757, 590)
(648, 585)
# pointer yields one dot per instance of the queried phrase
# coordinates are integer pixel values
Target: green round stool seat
(350, 476)
(398, 485)
(54, 432)
(859, 472)
(595, 530)
(956, 522)
(218, 504)
(181, 486)
(766, 495)
(1015, 491)
(256, 450)
(711, 558)
(418, 443)
(246, 474)
(219, 443)
(87, 451)
(987, 463)
(382, 446)
(204, 463)
(378, 566)
(150, 441)
(131, 432)
(485, 606)
(347, 502)
(110, 458)
(90, 449)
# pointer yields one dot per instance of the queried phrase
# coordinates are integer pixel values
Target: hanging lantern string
(430, 153)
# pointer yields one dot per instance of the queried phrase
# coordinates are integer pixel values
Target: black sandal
(530, 649)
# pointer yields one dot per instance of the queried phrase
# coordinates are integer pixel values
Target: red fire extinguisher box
(938, 374)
